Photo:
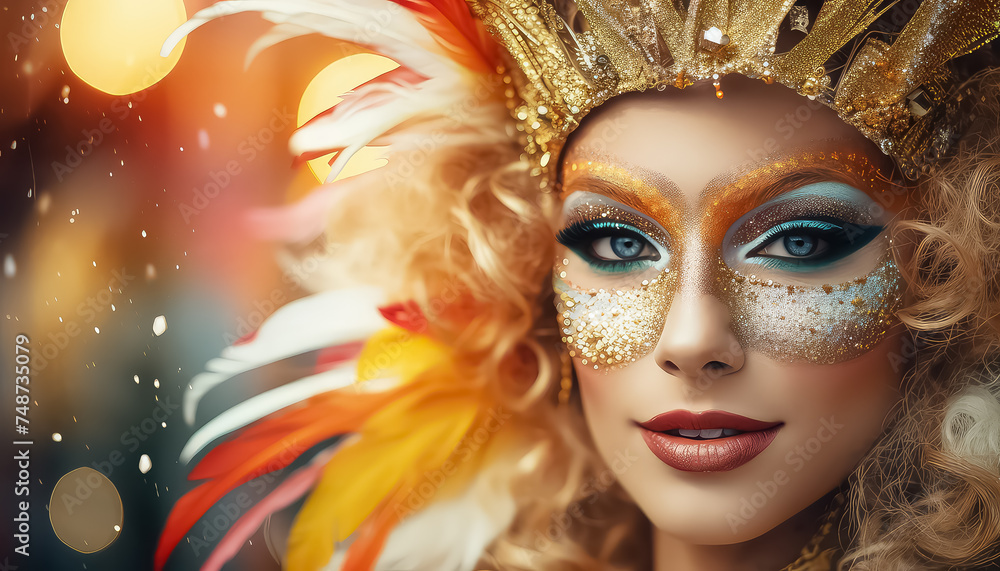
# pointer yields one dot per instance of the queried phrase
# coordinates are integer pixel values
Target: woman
(769, 235)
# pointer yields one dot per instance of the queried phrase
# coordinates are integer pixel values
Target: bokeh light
(86, 510)
(114, 45)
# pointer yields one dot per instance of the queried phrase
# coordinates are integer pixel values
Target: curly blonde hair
(471, 223)
(927, 496)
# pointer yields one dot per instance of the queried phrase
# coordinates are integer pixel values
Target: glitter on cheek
(819, 324)
(613, 327)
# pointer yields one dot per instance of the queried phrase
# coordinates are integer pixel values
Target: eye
(810, 243)
(799, 244)
(623, 247)
(610, 246)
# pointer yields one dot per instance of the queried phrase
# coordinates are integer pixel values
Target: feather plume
(293, 329)
(412, 434)
(265, 447)
(464, 525)
(297, 485)
(268, 402)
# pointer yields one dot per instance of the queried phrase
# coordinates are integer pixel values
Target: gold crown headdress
(895, 88)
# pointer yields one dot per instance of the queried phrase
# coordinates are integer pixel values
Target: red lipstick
(710, 441)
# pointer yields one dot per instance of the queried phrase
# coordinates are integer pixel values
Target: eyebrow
(634, 172)
(622, 185)
(849, 166)
(747, 186)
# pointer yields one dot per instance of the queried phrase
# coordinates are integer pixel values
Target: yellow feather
(413, 434)
(396, 352)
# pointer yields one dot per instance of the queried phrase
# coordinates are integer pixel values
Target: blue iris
(800, 244)
(627, 246)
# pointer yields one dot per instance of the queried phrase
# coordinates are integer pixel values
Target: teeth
(706, 433)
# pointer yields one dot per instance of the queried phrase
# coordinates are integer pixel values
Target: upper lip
(708, 419)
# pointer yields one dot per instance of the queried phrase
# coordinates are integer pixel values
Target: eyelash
(836, 233)
(842, 239)
(580, 237)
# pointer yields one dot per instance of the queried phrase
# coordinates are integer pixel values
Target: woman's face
(729, 256)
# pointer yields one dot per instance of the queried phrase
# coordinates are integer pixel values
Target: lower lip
(715, 455)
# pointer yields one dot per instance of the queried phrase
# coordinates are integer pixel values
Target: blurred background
(128, 261)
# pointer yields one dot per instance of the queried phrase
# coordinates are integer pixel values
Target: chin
(723, 507)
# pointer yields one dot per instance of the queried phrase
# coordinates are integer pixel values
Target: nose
(698, 339)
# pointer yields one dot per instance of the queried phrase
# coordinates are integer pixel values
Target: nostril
(671, 368)
(716, 366)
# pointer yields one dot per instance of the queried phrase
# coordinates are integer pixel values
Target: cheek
(609, 401)
(601, 402)
(837, 412)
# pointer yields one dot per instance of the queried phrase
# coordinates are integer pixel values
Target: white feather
(384, 26)
(263, 404)
(307, 324)
(385, 107)
(277, 34)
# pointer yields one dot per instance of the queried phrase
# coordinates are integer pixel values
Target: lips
(711, 441)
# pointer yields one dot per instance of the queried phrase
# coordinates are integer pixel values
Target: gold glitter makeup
(621, 185)
(728, 197)
(609, 327)
(613, 327)
(619, 322)
(823, 324)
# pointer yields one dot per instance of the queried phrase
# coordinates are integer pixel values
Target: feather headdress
(398, 400)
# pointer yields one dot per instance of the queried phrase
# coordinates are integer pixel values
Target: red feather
(457, 31)
(406, 314)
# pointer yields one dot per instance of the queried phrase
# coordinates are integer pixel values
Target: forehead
(692, 139)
